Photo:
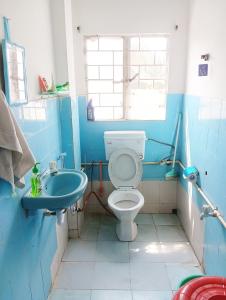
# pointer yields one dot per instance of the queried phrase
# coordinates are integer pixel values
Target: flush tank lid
(132, 139)
(125, 168)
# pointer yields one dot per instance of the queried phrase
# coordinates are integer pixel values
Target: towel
(16, 159)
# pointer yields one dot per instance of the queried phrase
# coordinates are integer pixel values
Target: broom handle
(176, 142)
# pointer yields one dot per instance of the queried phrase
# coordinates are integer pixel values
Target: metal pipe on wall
(217, 214)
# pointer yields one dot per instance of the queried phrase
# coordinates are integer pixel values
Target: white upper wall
(132, 17)
(30, 26)
(207, 35)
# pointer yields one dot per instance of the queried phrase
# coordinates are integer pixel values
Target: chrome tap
(61, 157)
(209, 212)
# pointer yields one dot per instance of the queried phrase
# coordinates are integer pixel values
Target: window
(127, 76)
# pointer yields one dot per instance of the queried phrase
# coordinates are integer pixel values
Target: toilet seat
(125, 168)
(132, 195)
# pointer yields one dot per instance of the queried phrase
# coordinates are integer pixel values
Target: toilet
(125, 171)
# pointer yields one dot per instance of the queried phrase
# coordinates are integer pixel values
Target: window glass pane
(99, 58)
(134, 84)
(118, 87)
(118, 113)
(12, 69)
(106, 72)
(111, 100)
(104, 113)
(110, 43)
(118, 73)
(95, 99)
(141, 58)
(118, 58)
(160, 84)
(100, 86)
(19, 56)
(93, 72)
(22, 95)
(92, 43)
(134, 43)
(160, 58)
(153, 72)
(153, 43)
(133, 71)
(146, 84)
(142, 82)
(21, 85)
(20, 71)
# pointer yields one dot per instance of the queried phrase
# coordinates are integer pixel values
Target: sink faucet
(61, 157)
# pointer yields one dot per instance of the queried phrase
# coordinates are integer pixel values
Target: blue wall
(92, 142)
(27, 245)
(204, 145)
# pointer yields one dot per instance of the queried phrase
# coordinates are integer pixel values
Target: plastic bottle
(90, 111)
(35, 182)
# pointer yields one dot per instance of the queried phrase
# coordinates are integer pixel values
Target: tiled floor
(99, 267)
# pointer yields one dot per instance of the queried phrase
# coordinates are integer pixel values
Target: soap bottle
(35, 182)
(90, 111)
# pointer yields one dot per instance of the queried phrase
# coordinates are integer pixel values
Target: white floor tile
(144, 219)
(75, 276)
(149, 276)
(146, 295)
(58, 294)
(78, 250)
(107, 233)
(161, 252)
(146, 233)
(166, 219)
(112, 251)
(111, 276)
(100, 267)
(171, 234)
(178, 272)
(111, 295)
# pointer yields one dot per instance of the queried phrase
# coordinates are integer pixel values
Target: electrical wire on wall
(162, 143)
(168, 157)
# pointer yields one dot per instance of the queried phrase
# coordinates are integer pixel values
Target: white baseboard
(189, 215)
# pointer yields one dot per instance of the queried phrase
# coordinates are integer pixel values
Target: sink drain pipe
(60, 215)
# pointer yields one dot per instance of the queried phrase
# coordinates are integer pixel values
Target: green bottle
(35, 181)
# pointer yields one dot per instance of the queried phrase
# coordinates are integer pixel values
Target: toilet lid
(125, 168)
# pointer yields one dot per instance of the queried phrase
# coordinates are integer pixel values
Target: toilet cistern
(125, 150)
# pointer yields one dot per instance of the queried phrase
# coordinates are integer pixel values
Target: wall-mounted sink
(59, 191)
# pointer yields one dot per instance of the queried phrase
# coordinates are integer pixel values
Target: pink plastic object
(204, 288)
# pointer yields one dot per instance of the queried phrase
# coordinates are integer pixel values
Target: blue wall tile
(28, 244)
(67, 132)
(92, 141)
(76, 133)
(203, 144)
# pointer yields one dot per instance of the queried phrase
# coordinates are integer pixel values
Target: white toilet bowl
(125, 172)
(126, 204)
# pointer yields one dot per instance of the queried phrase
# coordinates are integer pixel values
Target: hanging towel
(16, 159)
